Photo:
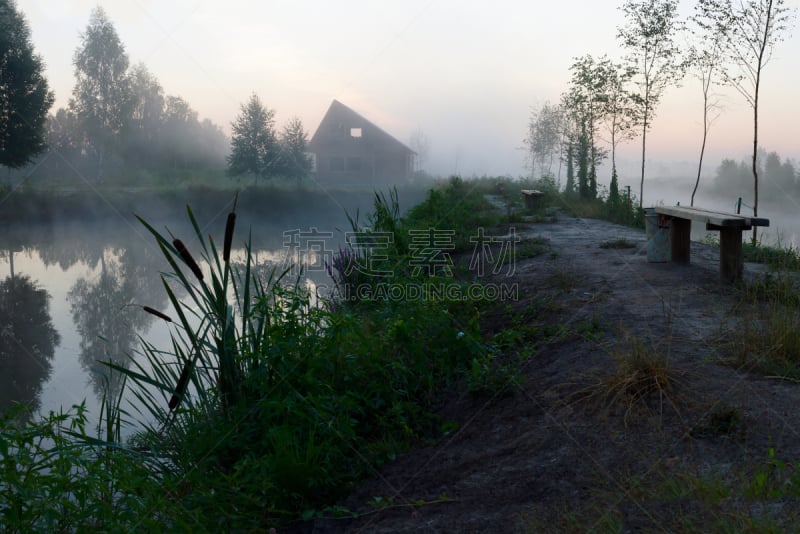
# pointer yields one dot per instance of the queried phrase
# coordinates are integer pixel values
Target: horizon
(468, 77)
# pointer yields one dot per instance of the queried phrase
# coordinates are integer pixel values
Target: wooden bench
(532, 198)
(729, 225)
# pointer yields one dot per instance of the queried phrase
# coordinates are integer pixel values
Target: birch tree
(649, 35)
(748, 32)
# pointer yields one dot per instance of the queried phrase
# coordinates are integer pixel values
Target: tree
(254, 145)
(748, 31)
(296, 162)
(569, 188)
(544, 138)
(146, 118)
(61, 140)
(649, 36)
(705, 60)
(101, 97)
(25, 98)
(586, 104)
(618, 115)
(179, 124)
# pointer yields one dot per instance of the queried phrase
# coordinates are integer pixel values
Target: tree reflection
(27, 340)
(107, 322)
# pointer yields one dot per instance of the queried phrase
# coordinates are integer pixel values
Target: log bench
(729, 225)
(532, 198)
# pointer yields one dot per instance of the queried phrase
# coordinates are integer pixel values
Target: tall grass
(768, 336)
(267, 406)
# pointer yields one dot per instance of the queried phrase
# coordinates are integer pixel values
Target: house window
(353, 164)
(337, 164)
(355, 132)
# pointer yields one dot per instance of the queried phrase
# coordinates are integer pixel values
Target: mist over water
(92, 275)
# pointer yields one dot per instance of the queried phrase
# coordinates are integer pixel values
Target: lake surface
(72, 294)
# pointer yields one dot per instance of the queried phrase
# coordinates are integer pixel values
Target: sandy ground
(550, 454)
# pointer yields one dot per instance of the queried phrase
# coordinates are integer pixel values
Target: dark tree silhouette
(24, 95)
(27, 340)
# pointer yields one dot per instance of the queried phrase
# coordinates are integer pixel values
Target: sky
(466, 73)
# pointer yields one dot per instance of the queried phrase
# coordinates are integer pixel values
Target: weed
(458, 207)
(641, 374)
(565, 280)
(769, 333)
(269, 393)
(490, 376)
(531, 248)
(776, 256)
(684, 500)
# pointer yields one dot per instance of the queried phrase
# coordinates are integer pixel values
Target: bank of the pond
(607, 392)
(275, 203)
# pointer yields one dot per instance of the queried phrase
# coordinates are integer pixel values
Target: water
(784, 223)
(72, 295)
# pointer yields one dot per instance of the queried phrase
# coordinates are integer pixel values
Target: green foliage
(569, 189)
(25, 97)
(55, 478)
(596, 97)
(614, 199)
(768, 338)
(101, 99)
(295, 161)
(456, 206)
(776, 256)
(270, 395)
(251, 419)
(254, 143)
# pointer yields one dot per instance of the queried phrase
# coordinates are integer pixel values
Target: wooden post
(680, 236)
(730, 255)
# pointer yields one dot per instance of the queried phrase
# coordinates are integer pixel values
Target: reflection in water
(106, 318)
(27, 340)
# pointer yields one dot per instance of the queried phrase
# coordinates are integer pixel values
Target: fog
(466, 74)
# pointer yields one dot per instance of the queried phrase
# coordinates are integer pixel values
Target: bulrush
(157, 313)
(181, 387)
(184, 252)
(226, 249)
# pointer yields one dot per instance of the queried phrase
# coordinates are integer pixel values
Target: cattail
(181, 387)
(184, 252)
(226, 249)
(157, 313)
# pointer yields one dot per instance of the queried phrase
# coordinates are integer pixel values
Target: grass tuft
(641, 378)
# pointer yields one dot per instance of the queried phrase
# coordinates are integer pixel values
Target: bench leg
(730, 255)
(680, 236)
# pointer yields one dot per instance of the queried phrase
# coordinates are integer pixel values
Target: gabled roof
(339, 115)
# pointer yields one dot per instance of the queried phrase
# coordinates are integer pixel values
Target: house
(347, 148)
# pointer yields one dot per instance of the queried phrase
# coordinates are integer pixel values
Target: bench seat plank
(714, 218)
(729, 225)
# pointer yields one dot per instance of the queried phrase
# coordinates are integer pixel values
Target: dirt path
(551, 455)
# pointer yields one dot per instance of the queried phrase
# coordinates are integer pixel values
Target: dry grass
(641, 379)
